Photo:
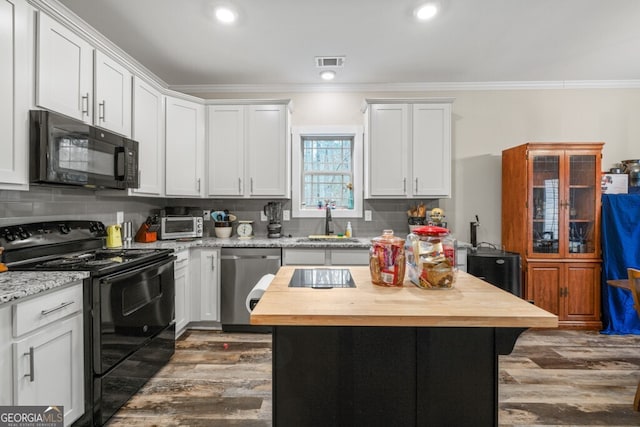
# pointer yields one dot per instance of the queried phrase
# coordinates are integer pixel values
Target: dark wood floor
(552, 378)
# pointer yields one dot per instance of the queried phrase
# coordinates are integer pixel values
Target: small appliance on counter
(114, 238)
(180, 223)
(273, 211)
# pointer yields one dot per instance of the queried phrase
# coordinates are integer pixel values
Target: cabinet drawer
(182, 258)
(349, 257)
(42, 310)
(303, 257)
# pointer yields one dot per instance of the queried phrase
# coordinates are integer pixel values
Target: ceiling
(470, 41)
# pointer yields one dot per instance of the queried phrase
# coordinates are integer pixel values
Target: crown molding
(73, 22)
(408, 87)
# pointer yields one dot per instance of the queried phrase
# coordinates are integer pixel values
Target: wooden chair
(634, 284)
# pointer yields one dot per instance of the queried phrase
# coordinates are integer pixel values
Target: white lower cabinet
(48, 355)
(183, 291)
(205, 289)
(6, 364)
(325, 256)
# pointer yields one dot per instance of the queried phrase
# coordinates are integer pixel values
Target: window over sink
(327, 170)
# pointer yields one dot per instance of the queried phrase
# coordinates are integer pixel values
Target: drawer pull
(61, 306)
(31, 365)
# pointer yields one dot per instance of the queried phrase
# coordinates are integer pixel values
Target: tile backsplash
(43, 203)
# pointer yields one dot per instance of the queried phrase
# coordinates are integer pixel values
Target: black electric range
(128, 308)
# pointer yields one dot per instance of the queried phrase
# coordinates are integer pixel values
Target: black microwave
(65, 151)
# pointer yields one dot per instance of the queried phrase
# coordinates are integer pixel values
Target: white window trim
(296, 170)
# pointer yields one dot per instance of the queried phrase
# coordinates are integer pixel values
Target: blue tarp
(620, 250)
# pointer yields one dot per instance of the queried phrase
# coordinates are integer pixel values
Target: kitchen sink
(321, 278)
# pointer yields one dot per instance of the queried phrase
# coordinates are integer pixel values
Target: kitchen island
(372, 355)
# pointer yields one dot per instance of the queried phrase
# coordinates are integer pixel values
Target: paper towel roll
(258, 289)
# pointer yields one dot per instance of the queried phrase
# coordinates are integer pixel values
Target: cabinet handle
(85, 110)
(213, 262)
(31, 373)
(404, 185)
(101, 111)
(60, 307)
(180, 261)
(198, 185)
(239, 185)
(416, 185)
(251, 185)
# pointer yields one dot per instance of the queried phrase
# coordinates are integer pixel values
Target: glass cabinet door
(546, 203)
(581, 204)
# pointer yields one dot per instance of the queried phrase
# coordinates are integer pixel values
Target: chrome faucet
(328, 222)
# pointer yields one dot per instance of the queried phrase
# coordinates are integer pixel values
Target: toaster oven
(180, 227)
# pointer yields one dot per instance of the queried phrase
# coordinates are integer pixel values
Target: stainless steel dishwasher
(240, 270)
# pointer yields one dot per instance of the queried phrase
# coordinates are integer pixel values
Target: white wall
(485, 123)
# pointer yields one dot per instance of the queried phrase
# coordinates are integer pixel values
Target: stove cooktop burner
(70, 246)
(95, 260)
(62, 262)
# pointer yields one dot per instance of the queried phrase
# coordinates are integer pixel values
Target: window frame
(355, 132)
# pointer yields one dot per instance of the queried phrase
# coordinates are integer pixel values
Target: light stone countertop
(20, 284)
(259, 242)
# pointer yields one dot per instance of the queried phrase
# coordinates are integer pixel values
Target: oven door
(129, 308)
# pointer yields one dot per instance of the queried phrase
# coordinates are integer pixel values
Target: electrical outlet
(367, 215)
(119, 217)
(263, 216)
(206, 214)
(286, 215)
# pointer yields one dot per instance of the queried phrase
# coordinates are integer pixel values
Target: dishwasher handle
(234, 257)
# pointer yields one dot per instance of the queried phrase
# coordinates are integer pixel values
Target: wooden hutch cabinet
(551, 217)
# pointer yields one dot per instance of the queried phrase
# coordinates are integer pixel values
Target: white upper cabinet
(408, 149)
(70, 83)
(267, 153)
(148, 130)
(225, 154)
(248, 151)
(64, 70)
(431, 150)
(185, 134)
(16, 77)
(388, 150)
(113, 95)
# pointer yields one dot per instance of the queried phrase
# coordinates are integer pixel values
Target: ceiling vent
(329, 61)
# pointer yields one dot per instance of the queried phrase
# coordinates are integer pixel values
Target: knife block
(144, 235)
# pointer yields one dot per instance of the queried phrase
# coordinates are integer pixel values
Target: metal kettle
(114, 238)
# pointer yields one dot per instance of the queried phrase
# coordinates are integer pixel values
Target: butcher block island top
(470, 303)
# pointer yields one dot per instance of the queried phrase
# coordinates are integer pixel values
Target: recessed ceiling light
(328, 75)
(426, 11)
(226, 15)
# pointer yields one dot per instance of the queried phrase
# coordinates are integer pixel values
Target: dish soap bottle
(348, 232)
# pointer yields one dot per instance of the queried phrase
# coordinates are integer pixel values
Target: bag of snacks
(431, 258)
(387, 260)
